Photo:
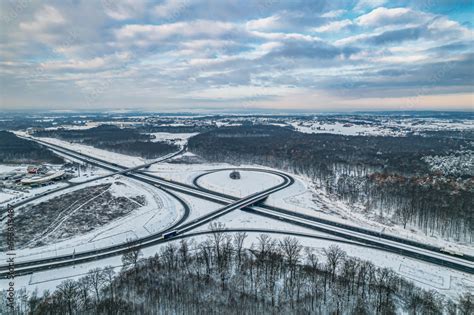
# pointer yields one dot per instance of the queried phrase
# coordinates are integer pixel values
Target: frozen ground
(112, 157)
(432, 277)
(86, 172)
(303, 197)
(199, 207)
(306, 198)
(10, 196)
(250, 182)
(442, 280)
(340, 128)
(386, 127)
(160, 212)
(173, 138)
(8, 168)
(432, 124)
(75, 213)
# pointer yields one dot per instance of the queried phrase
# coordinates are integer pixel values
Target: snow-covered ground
(250, 182)
(386, 127)
(10, 196)
(160, 212)
(118, 158)
(425, 124)
(93, 124)
(9, 168)
(431, 277)
(343, 129)
(174, 138)
(457, 164)
(303, 197)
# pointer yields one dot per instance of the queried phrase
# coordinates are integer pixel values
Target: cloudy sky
(238, 55)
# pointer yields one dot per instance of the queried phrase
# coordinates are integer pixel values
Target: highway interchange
(250, 204)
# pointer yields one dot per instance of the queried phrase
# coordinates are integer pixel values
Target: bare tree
(131, 257)
(239, 239)
(264, 284)
(466, 304)
(83, 285)
(96, 278)
(69, 293)
(109, 275)
(264, 246)
(313, 262)
(334, 255)
(217, 237)
(170, 256)
(184, 254)
(291, 249)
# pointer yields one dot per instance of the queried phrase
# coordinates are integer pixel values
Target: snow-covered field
(443, 280)
(173, 138)
(112, 157)
(250, 182)
(160, 212)
(93, 124)
(303, 196)
(387, 127)
(425, 124)
(12, 196)
(343, 129)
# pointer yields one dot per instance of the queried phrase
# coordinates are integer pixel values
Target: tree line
(14, 150)
(385, 174)
(220, 275)
(109, 137)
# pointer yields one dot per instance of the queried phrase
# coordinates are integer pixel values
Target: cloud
(123, 9)
(45, 18)
(314, 49)
(189, 52)
(384, 16)
(98, 63)
(437, 29)
(333, 13)
(389, 37)
(268, 23)
(171, 10)
(335, 26)
(368, 4)
(194, 29)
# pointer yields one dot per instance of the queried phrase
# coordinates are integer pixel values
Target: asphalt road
(22, 268)
(70, 185)
(337, 225)
(71, 260)
(379, 241)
